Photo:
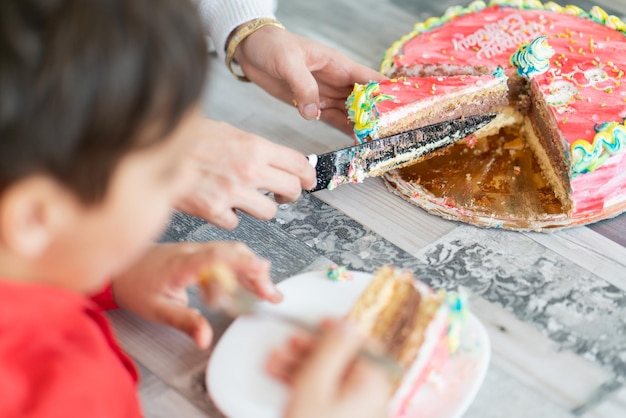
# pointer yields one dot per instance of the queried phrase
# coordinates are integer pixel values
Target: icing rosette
(598, 14)
(362, 111)
(616, 23)
(575, 11)
(609, 139)
(453, 11)
(553, 7)
(533, 4)
(533, 58)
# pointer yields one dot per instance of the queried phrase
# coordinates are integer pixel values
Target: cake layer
(377, 297)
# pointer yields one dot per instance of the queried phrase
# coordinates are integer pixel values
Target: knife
(372, 159)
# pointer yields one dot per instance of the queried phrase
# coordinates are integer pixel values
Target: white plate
(240, 388)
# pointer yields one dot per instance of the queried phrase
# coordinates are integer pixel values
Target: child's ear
(32, 211)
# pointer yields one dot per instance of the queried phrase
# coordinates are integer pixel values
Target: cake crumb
(516, 144)
(338, 273)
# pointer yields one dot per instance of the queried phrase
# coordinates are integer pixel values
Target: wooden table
(554, 304)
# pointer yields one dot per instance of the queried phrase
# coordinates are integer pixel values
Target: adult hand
(316, 78)
(327, 379)
(155, 287)
(236, 168)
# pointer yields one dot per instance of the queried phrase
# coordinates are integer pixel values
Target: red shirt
(59, 358)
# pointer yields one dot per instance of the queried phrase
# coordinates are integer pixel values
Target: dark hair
(83, 81)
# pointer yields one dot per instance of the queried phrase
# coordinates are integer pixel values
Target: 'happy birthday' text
(496, 38)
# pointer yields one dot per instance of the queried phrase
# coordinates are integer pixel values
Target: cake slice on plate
(416, 327)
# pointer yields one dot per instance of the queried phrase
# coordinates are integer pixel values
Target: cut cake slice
(416, 327)
(381, 109)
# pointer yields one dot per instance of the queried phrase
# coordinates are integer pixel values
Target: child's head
(97, 100)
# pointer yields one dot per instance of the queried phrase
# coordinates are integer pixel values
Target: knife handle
(325, 169)
(312, 160)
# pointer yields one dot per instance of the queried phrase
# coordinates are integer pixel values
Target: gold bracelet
(242, 33)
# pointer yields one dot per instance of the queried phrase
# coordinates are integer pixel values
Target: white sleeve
(221, 17)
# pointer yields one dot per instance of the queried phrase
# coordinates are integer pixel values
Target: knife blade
(372, 159)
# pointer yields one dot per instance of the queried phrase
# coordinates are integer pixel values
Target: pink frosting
(436, 362)
(414, 89)
(602, 188)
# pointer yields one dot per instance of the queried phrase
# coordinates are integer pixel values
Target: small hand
(155, 287)
(314, 77)
(327, 379)
(235, 168)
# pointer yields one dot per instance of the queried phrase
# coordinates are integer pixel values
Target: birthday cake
(416, 327)
(557, 159)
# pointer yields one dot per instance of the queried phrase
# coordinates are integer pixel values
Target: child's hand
(155, 287)
(328, 380)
